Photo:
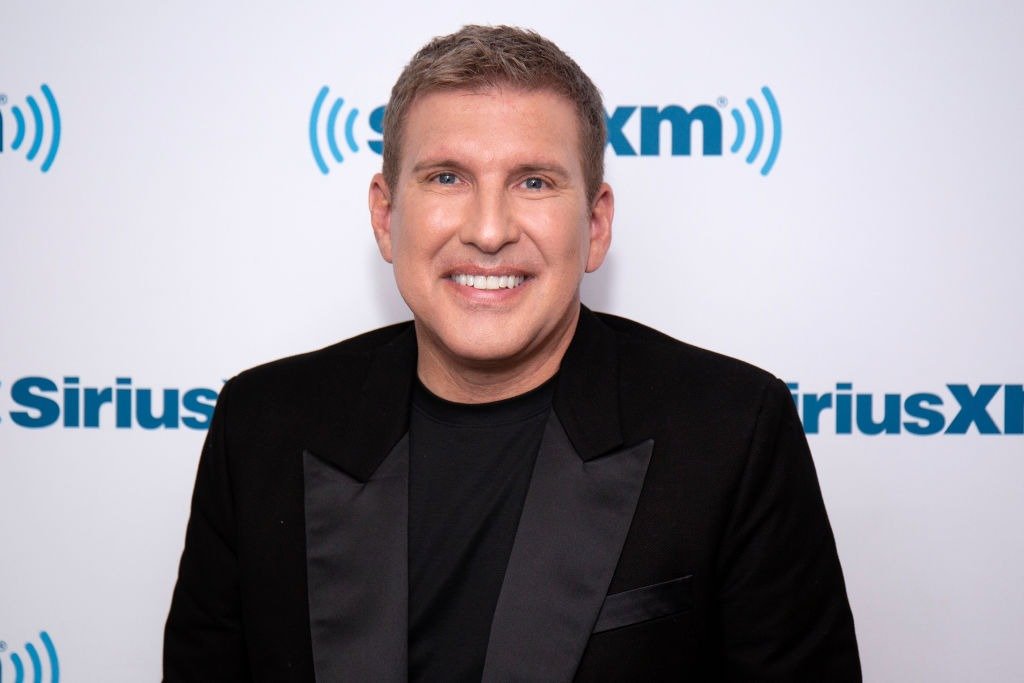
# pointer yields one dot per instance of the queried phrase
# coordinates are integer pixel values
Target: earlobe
(601, 213)
(380, 214)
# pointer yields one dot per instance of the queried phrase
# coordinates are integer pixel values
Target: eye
(534, 183)
(446, 178)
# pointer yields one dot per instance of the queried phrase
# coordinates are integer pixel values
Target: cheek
(562, 236)
(421, 228)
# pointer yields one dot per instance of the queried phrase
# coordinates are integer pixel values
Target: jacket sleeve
(783, 609)
(203, 638)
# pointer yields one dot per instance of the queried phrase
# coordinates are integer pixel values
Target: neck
(482, 381)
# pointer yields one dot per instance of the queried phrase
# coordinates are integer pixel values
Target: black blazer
(673, 528)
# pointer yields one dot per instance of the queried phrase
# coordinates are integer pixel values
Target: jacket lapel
(582, 496)
(571, 532)
(355, 474)
(357, 569)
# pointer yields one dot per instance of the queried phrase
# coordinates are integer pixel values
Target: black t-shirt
(469, 469)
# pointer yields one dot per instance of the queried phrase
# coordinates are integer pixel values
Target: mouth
(498, 281)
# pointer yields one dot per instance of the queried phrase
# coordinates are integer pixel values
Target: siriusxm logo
(959, 411)
(376, 121)
(680, 120)
(33, 669)
(31, 135)
(42, 403)
(763, 133)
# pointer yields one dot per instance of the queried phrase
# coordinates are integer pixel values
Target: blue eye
(534, 183)
(447, 178)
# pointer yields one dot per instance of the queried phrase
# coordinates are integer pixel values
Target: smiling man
(490, 222)
(510, 487)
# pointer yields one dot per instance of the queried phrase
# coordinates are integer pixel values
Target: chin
(484, 347)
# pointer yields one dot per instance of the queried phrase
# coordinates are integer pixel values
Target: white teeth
(488, 281)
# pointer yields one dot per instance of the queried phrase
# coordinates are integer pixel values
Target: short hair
(483, 57)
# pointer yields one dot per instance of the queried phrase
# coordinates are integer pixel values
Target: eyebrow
(550, 168)
(428, 164)
(447, 163)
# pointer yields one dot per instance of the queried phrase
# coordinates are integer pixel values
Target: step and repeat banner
(832, 192)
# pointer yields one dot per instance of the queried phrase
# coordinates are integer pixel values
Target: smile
(488, 281)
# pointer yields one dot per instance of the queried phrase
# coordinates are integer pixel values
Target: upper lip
(497, 271)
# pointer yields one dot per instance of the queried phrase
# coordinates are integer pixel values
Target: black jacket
(673, 529)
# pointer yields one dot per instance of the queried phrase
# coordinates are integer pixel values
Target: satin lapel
(570, 535)
(357, 569)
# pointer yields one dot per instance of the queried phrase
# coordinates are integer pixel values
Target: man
(511, 487)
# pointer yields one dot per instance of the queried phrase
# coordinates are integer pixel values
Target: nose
(491, 224)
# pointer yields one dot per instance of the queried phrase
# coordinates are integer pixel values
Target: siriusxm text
(959, 410)
(633, 130)
(42, 402)
(673, 119)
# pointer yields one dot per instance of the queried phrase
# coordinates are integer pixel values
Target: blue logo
(330, 127)
(759, 131)
(33, 669)
(42, 402)
(23, 132)
(921, 413)
(757, 134)
(681, 122)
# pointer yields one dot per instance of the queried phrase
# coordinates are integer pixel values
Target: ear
(602, 210)
(380, 214)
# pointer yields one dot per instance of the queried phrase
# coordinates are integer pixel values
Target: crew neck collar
(494, 413)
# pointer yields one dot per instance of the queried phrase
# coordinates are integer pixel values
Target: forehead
(493, 124)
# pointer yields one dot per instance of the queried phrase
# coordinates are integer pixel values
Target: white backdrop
(184, 231)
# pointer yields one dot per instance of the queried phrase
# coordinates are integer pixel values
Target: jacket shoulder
(295, 391)
(670, 384)
(640, 345)
(347, 357)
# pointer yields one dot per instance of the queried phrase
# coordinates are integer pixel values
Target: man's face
(488, 225)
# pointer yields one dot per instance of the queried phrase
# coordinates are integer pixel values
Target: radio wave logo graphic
(774, 126)
(34, 669)
(22, 128)
(330, 129)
